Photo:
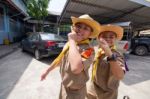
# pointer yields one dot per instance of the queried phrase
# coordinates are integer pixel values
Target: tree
(37, 9)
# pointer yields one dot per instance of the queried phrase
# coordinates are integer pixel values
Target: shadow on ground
(12, 68)
(138, 69)
(48, 60)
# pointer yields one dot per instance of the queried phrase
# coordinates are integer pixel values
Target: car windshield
(51, 37)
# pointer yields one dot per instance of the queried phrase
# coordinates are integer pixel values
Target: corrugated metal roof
(108, 11)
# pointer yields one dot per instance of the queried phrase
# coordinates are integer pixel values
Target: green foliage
(37, 8)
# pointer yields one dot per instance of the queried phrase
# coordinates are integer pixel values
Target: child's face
(109, 37)
(83, 31)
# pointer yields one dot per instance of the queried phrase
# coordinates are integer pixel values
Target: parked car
(43, 44)
(123, 46)
(140, 45)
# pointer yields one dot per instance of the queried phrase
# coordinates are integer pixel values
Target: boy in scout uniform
(108, 66)
(75, 58)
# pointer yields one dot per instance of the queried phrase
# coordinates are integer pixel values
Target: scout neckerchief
(63, 52)
(99, 53)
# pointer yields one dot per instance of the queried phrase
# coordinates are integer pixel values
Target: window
(35, 37)
(50, 37)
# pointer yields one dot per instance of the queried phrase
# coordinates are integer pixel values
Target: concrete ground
(8, 49)
(136, 83)
(20, 78)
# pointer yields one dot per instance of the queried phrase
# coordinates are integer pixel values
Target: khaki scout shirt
(105, 85)
(74, 82)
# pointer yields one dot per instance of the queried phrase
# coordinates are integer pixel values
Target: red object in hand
(87, 53)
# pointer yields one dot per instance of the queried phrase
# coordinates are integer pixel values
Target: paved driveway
(20, 78)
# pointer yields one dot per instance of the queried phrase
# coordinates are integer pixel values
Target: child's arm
(51, 67)
(115, 66)
(74, 56)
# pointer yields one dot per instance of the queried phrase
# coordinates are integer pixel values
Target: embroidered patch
(87, 53)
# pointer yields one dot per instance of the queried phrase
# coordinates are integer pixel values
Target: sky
(56, 6)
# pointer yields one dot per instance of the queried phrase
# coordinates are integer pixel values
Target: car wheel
(141, 50)
(37, 54)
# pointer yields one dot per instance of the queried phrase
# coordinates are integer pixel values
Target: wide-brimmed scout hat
(88, 21)
(114, 28)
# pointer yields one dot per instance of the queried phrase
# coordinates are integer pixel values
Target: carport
(109, 11)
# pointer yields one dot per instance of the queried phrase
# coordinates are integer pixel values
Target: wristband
(112, 58)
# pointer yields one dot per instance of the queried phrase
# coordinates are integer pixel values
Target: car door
(33, 42)
(26, 42)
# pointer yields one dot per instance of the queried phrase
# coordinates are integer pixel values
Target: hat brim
(116, 29)
(92, 23)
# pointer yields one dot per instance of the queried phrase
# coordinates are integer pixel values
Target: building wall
(10, 28)
(2, 27)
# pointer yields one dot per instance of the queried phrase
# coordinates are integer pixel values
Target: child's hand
(72, 36)
(43, 76)
(104, 45)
